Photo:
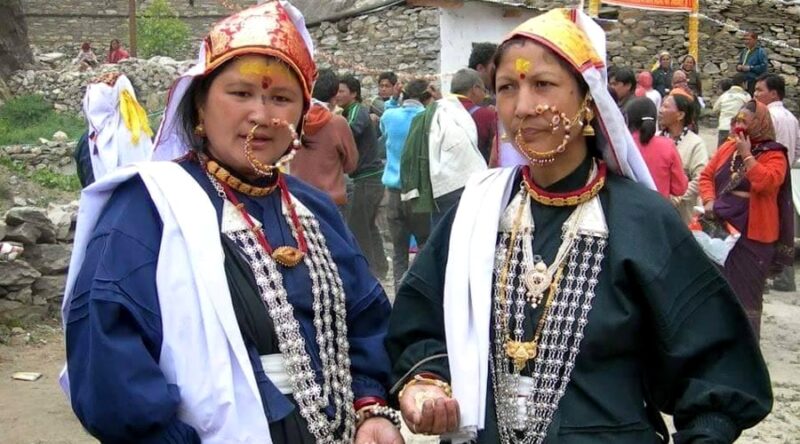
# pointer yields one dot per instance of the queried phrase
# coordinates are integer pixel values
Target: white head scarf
(575, 37)
(119, 133)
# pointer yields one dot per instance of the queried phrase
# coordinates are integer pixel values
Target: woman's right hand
(428, 410)
(709, 207)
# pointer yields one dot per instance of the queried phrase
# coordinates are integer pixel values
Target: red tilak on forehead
(266, 81)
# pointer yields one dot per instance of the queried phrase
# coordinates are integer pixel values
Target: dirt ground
(37, 412)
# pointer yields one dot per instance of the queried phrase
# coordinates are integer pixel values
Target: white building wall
(473, 22)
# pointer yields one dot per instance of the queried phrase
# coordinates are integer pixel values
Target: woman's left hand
(378, 430)
(743, 144)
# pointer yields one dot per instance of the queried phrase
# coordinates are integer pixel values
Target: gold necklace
(223, 175)
(571, 199)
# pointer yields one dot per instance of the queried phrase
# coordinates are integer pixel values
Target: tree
(161, 32)
(15, 50)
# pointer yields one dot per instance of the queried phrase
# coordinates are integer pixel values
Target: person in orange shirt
(329, 149)
(746, 184)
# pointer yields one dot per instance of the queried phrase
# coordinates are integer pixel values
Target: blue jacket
(395, 124)
(114, 333)
(756, 59)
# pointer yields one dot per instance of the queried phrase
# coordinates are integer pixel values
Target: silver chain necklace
(329, 322)
(525, 405)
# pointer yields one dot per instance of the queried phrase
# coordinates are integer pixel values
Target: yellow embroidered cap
(558, 30)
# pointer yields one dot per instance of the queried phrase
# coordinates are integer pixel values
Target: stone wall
(406, 40)
(53, 154)
(400, 39)
(640, 35)
(60, 83)
(64, 25)
(32, 285)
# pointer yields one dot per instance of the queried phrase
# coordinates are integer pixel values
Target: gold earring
(587, 120)
(200, 130)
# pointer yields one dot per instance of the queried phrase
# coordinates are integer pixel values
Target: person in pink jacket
(659, 152)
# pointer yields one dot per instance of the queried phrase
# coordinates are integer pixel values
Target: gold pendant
(520, 352)
(287, 256)
(537, 280)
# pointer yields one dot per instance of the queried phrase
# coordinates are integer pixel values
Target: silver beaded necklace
(525, 405)
(329, 322)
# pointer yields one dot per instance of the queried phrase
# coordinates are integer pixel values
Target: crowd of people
(559, 291)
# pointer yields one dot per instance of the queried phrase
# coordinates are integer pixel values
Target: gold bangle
(419, 379)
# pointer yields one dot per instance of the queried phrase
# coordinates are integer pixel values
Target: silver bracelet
(381, 411)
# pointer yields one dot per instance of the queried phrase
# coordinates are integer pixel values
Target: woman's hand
(427, 410)
(743, 144)
(378, 430)
(709, 207)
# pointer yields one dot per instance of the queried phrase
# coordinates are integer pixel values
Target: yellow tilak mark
(262, 68)
(522, 66)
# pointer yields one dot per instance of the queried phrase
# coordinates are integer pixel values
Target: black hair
(686, 106)
(725, 85)
(388, 75)
(624, 75)
(111, 44)
(188, 110)
(739, 78)
(774, 82)
(326, 86)
(641, 114)
(481, 54)
(417, 89)
(583, 88)
(353, 84)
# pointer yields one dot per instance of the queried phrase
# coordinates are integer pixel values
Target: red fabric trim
(367, 401)
(601, 174)
(287, 198)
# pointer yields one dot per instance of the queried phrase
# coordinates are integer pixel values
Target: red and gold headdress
(264, 29)
(275, 28)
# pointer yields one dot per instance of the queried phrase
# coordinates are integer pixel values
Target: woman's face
(530, 76)
(251, 90)
(742, 121)
(688, 64)
(114, 45)
(664, 60)
(669, 114)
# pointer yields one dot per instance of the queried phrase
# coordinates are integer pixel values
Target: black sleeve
(705, 367)
(416, 338)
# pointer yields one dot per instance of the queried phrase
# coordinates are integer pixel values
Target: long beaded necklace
(527, 404)
(330, 317)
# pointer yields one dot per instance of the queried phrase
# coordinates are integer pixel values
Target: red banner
(655, 5)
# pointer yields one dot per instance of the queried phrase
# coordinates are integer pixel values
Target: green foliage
(24, 119)
(161, 32)
(46, 177)
(26, 110)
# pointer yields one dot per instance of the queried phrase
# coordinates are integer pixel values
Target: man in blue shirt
(403, 222)
(753, 60)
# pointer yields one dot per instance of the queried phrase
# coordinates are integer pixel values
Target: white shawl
(202, 350)
(467, 302)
